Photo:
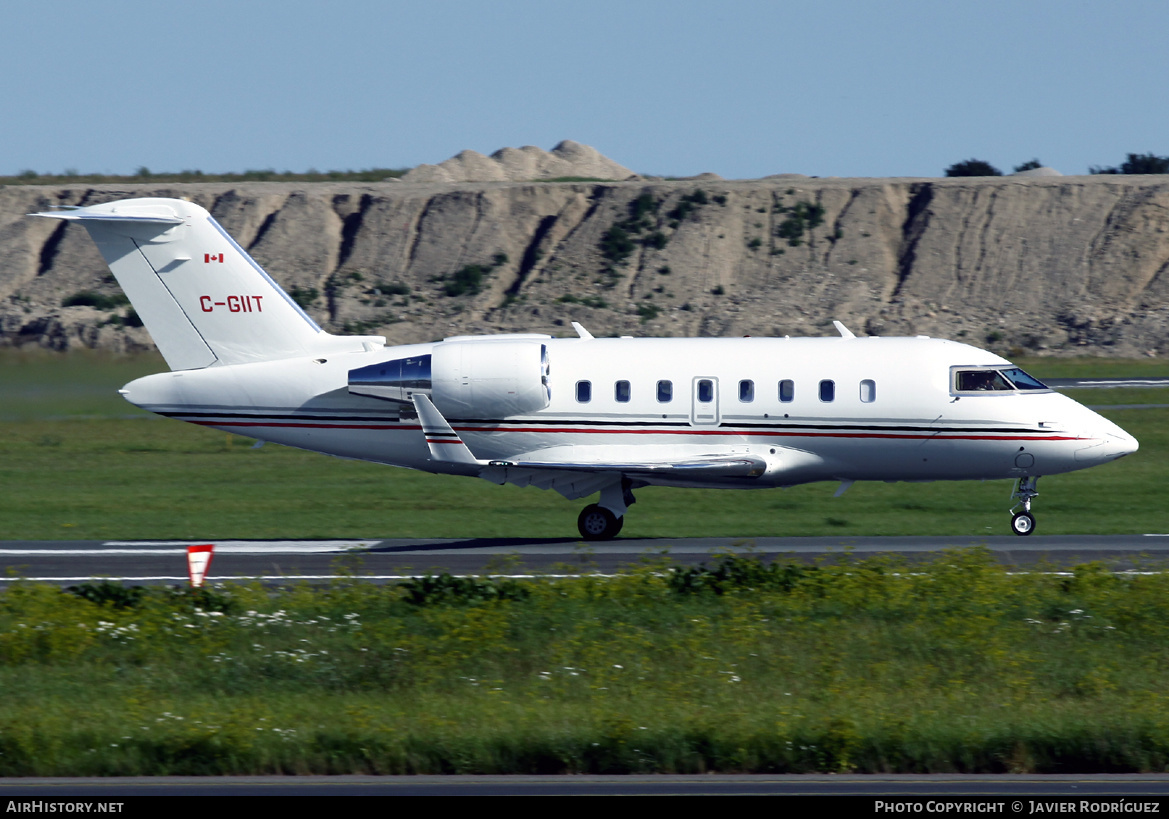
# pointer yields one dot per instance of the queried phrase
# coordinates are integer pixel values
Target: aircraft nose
(1125, 444)
(1111, 443)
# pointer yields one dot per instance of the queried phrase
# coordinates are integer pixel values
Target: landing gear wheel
(1023, 523)
(598, 523)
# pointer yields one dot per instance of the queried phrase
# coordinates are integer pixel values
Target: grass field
(861, 666)
(78, 462)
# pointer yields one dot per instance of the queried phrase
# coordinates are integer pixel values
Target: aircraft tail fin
(204, 300)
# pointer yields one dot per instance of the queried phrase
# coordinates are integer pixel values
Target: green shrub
(467, 281)
(1138, 164)
(88, 298)
(737, 573)
(688, 204)
(588, 301)
(105, 593)
(616, 245)
(803, 216)
(973, 167)
(447, 590)
(304, 296)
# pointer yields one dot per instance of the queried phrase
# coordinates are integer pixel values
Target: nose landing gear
(1023, 523)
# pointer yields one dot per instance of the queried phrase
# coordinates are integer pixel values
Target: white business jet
(578, 415)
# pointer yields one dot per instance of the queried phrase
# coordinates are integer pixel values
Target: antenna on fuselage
(844, 331)
(581, 331)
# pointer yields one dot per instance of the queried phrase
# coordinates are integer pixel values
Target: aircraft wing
(715, 466)
(577, 477)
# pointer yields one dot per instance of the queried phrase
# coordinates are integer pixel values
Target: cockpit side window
(980, 381)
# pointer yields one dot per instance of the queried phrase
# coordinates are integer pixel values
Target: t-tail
(204, 300)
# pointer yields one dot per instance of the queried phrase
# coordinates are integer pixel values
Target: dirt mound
(568, 159)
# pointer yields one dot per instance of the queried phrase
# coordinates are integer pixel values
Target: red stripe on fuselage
(739, 433)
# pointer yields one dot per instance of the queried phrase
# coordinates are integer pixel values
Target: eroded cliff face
(1068, 265)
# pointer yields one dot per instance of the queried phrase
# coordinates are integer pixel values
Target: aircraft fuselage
(851, 409)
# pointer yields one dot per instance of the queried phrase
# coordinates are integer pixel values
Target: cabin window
(665, 392)
(868, 391)
(705, 391)
(827, 390)
(621, 391)
(584, 391)
(746, 391)
(787, 390)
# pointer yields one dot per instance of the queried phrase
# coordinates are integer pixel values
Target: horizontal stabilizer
(78, 214)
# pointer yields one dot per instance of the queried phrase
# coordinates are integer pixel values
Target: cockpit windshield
(986, 379)
(1022, 381)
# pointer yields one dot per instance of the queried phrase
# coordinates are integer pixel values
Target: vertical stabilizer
(204, 300)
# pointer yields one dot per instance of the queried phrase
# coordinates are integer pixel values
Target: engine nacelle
(474, 378)
(490, 379)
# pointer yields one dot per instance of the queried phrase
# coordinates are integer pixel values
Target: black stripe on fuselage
(493, 425)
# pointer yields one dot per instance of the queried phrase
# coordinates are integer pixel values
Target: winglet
(445, 444)
(581, 331)
(844, 331)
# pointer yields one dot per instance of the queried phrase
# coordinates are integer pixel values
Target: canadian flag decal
(212, 257)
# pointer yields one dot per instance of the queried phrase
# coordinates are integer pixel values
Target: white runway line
(232, 579)
(1128, 382)
(230, 547)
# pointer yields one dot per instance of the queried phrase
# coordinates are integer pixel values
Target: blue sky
(741, 88)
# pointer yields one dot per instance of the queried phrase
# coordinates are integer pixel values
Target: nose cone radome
(1111, 442)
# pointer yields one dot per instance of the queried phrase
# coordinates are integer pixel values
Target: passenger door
(704, 402)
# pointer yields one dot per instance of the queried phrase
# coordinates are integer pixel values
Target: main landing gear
(1023, 523)
(598, 523)
(603, 521)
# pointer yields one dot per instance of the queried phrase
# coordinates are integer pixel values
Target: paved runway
(383, 560)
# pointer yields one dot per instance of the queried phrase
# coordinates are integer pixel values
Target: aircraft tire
(1023, 523)
(598, 523)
